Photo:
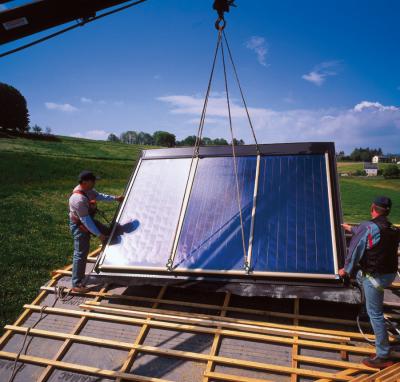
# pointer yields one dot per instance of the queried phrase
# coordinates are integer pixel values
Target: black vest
(382, 258)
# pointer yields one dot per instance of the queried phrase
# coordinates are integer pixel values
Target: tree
(47, 130)
(14, 114)
(130, 137)
(391, 171)
(113, 138)
(37, 129)
(145, 139)
(163, 138)
(238, 142)
(207, 141)
(188, 141)
(364, 154)
(220, 142)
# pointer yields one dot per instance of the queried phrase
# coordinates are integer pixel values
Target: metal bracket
(169, 265)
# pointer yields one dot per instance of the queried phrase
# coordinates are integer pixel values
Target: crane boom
(40, 15)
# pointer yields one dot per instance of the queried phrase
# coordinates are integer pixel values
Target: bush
(391, 171)
(163, 138)
(14, 114)
(37, 129)
(360, 173)
(113, 138)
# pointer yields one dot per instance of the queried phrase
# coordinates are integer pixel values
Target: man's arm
(90, 225)
(356, 248)
(79, 206)
(100, 197)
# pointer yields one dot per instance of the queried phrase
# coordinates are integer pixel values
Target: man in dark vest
(82, 209)
(373, 255)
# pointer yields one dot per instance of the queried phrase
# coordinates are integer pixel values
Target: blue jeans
(374, 305)
(81, 250)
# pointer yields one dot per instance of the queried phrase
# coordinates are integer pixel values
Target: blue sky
(311, 71)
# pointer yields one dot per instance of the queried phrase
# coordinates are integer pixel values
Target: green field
(352, 167)
(36, 178)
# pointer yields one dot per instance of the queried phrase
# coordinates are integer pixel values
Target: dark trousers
(81, 250)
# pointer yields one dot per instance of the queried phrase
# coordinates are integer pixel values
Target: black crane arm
(40, 15)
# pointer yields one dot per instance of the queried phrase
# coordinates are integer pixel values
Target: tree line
(360, 154)
(166, 139)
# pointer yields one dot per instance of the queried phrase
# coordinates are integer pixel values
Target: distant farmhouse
(380, 159)
(371, 169)
(390, 158)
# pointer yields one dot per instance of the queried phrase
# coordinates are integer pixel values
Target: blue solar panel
(211, 237)
(292, 223)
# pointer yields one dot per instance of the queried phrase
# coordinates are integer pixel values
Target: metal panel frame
(247, 265)
(323, 148)
(331, 216)
(127, 190)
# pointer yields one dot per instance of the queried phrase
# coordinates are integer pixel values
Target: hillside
(36, 178)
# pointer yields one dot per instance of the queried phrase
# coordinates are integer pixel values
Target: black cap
(87, 175)
(383, 202)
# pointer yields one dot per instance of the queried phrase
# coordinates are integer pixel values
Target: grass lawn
(36, 178)
(358, 192)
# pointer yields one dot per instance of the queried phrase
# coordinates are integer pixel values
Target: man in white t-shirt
(82, 208)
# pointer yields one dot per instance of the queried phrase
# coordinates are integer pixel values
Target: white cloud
(373, 106)
(92, 134)
(65, 107)
(367, 123)
(92, 101)
(258, 45)
(3, 7)
(322, 71)
(86, 100)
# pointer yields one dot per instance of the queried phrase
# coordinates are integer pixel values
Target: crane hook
(222, 6)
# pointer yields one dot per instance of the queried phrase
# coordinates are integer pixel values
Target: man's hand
(342, 273)
(103, 238)
(347, 227)
(119, 198)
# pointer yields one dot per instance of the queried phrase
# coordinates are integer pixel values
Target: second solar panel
(211, 237)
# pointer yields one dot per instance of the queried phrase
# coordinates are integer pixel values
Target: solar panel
(293, 222)
(211, 228)
(150, 215)
(189, 215)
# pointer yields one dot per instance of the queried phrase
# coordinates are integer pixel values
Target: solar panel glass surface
(292, 223)
(148, 220)
(211, 234)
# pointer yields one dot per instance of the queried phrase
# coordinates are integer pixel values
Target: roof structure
(370, 166)
(164, 334)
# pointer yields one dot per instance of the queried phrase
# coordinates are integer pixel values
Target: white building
(371, 169)
(380, 159)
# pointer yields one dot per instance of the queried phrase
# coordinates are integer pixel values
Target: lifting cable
(197, 144)
(235, 168)
(221, 41)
